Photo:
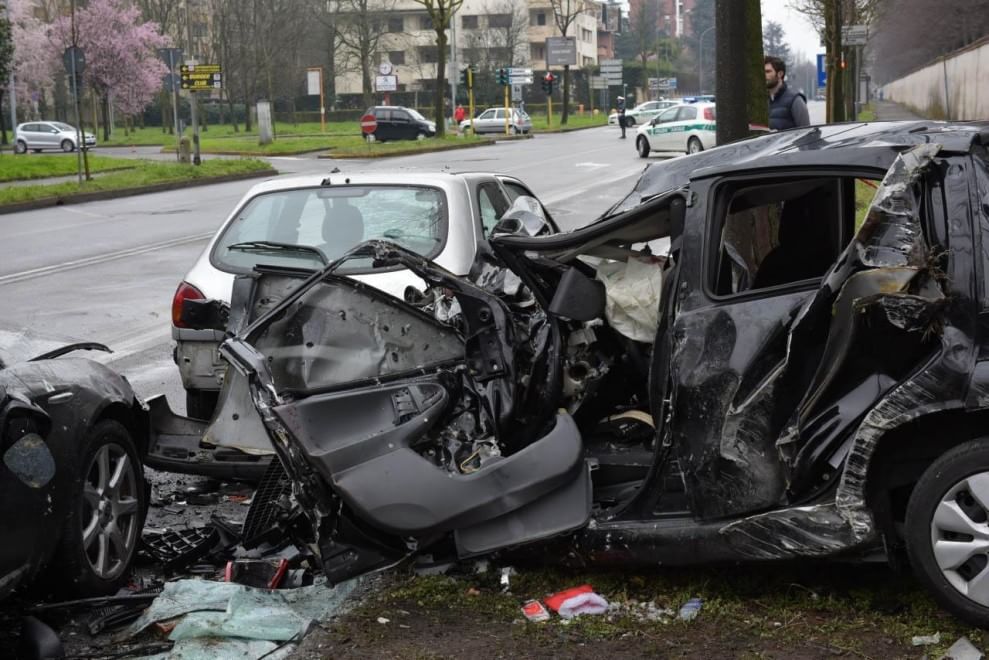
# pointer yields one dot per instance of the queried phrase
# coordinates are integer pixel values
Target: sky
(800, 34)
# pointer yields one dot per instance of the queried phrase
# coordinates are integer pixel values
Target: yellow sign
(201, 76)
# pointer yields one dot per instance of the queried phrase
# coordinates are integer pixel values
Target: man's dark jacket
(780, 112)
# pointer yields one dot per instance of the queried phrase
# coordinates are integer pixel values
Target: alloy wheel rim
(960, 537)
(110, 511)
(692, 147)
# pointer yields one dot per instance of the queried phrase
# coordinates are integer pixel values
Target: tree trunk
(233, 113)
(3, 123)
(758, 97)
(366, 88)
(247, 108)
(105, 107)
(835, 85)
(440, 114)
(566, 94)
(732, 80)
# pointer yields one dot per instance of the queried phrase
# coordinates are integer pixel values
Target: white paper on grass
(632, 295)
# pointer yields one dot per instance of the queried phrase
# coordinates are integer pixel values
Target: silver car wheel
(110, 511)
(694, 146)
(960, 537)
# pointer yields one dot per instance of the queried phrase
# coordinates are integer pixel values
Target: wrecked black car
(786, 377)
(72, 490)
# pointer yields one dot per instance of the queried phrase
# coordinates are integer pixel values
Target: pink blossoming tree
(121, 54)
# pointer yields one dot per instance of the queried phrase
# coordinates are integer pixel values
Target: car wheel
(515, 130)
(200, 404)
(108, 505)
(642, 145)
(694, 146)
(20, 147)
(67, 146)
(629, 122)
(947, 535)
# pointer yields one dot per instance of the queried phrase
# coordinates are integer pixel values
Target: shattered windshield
(327, 222)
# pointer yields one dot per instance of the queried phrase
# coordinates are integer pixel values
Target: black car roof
(871, 145)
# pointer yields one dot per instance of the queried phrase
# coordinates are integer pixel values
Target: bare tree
(644, 19)
(565, 13)
(440, 12)
(360, 26)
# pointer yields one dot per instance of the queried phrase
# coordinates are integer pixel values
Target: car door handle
(61, 397)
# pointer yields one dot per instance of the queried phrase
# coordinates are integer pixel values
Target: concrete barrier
(954, 87)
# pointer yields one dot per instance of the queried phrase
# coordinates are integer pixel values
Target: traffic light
(467, 76)
(549, 80)
(502, 76)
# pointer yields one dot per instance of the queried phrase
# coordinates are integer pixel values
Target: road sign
(171, 81)
(201, 77)
(74, 52)
(519, 76)
(561, 51)
(822, 71)
(386, 83)
(516, 92)
(598, 82)
(170, 56)
(368, 124)
(666, 83)
(854, 35)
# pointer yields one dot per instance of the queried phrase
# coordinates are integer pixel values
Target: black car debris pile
(210, 549)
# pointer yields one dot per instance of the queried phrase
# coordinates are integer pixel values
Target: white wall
(967, 74)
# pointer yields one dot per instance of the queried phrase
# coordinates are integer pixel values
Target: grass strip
(144, 173)
(39, 166)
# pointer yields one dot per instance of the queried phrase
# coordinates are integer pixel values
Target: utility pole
(81, 156)
(454, 69)
(193, 102)
(700, 59)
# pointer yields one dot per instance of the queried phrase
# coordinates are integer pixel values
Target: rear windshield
(331, 220)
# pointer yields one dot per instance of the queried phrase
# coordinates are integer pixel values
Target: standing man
(621, 114)
(787, 107)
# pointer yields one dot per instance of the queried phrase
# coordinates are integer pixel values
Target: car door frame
(659, 138)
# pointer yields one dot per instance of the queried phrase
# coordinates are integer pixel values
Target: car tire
(945, 526)
(67, 146)
(694, 146)
(642, 146)
(515, 130)
(112, 515)
(629, 122)
(201, 404)
(20, 147)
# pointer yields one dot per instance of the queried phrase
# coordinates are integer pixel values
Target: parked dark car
(72, 490)
(790, 378)
(397, 122)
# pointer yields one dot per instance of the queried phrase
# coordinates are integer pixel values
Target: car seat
(343, 228)
(805, 249)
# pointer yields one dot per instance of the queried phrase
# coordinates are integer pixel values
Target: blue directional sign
(822, 72)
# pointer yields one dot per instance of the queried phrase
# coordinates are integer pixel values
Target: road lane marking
(102, 258)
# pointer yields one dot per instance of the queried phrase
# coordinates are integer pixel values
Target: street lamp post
(10, 87)
(700, 59)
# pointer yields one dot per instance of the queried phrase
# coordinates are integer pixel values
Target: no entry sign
(368, 124)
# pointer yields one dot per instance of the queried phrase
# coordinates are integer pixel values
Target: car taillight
(709, 113)
(185, 292)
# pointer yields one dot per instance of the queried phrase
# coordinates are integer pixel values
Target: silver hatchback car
(38, 135)
(492, 120)
(306, 221)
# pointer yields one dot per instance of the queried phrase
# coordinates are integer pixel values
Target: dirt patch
(783, 612)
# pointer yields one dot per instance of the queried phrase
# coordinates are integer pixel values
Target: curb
(406, 152)
(569, 129)
(79, 198)
(247, 154)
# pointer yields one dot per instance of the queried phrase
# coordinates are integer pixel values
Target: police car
(642, 113)
(688, 127)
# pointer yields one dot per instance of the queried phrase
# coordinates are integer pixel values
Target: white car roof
(441, 179)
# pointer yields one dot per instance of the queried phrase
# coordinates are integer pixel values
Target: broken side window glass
(780, 231)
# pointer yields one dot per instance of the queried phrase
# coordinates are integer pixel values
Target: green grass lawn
(38, 166)
(539, 123)
(142, 173)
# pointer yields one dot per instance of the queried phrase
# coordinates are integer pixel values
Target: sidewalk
(890, 111)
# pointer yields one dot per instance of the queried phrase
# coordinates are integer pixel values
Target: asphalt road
(106, 271)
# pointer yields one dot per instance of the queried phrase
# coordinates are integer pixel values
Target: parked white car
(642, 113)
(689, 127)
(303, 222)
(39, 135)
(492, 120)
